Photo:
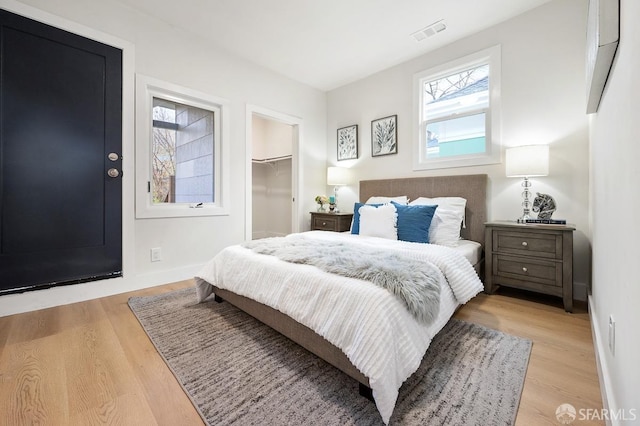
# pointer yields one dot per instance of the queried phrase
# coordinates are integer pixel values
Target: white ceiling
(329, 43)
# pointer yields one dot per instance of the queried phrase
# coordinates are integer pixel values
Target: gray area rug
(238, 371)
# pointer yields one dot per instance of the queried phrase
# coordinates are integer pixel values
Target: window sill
(180, 210)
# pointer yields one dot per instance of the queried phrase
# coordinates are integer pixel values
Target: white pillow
(449, 214)
(449, 203)
(379, 221)
(445, 227)
(402, 199)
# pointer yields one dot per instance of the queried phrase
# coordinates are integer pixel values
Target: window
(180, 140)
(182, 148)
(458, 113)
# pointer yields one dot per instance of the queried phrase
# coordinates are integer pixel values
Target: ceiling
(329, 43)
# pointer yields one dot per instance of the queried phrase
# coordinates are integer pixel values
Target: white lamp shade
(527, 161)
(337, 176)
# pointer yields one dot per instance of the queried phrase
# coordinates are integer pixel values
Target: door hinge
(149, 186)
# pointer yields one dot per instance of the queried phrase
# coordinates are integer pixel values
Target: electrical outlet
(156, 254)
(612, 335)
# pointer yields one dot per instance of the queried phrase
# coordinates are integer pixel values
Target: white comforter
(371, 326)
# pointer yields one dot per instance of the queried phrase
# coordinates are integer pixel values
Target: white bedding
(471, 250)
(371, 326)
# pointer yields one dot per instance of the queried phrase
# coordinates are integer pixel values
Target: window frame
(493, 151)
(148, 88)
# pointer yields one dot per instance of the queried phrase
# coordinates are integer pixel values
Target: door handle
(114, 173)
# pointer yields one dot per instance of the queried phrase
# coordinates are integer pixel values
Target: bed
(270, 289)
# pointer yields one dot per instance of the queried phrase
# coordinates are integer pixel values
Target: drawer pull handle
(524, 269)
(324, 223)
(524, 243)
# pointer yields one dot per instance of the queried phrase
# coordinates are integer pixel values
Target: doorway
(60, 152)
(272, 146)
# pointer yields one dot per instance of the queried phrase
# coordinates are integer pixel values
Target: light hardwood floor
(91, 363)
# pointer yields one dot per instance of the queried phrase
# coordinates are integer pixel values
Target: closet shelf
(271, 160)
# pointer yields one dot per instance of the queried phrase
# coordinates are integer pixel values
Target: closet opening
(271, 205)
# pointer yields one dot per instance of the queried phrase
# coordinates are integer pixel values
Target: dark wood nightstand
(338, 222)
(532, 257)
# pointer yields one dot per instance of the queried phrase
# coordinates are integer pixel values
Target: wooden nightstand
(532, 257)
(338, 222)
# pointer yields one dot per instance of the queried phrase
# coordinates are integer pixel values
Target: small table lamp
(525, 162)
(337, 176)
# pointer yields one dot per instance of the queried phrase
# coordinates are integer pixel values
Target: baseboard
(600, 346)
(41, 299)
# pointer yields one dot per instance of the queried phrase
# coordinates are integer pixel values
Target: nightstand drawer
(536, 244)
(521, 269)
(337, 222)
(324, 223)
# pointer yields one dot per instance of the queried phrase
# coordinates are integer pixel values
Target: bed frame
(471, 187)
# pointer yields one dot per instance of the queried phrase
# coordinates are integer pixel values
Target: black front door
(60, 140)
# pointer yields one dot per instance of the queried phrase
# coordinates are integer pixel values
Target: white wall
(271, 139)
(615, 204)
(543, 101)
(259, 222)
(157, 50)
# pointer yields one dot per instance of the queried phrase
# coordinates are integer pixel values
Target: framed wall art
(384, 136)
(348, 143)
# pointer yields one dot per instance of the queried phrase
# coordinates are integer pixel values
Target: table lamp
(336, 177)
(526, 162)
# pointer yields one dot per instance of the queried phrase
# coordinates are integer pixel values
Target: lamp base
(523, 218)
(526, 204)
(335, 196)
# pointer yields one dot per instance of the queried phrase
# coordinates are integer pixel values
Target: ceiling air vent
(430, 30)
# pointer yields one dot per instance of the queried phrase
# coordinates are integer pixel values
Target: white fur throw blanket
(414, 282)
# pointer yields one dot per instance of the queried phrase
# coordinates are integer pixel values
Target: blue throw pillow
(355, 225)
(414, 222)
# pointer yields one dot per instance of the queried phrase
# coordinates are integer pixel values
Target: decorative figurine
(544, 205)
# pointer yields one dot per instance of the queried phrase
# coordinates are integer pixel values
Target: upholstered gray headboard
(471, 187)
